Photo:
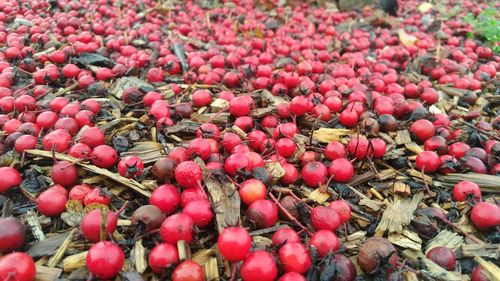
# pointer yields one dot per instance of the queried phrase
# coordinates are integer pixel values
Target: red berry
(17, 266)
(423, 129)
(465, 189)
(335, 150)
(341, 170)
(199, 147)
(105, 259)
(314, 174)
(177, 227)
(259, 266)
(358, 147)
(285, 235)
(96, 195)
(325, 242)
(264, 213)
(234, 243)
(458, 149)
(12, 234)
(10, 178)
(58, 140)
(165, 197)
(485, 215)
(200, 212)
(343, 210)
(188, 271)
(188, 174)
(78, 192)
(252, 190)
(51, 203)
(428, 161)
(163, 256)
(442, 256)
(130, 167)
(348, 118)
(240, 106)
(92, 137)
(90, 226)
(292, 276)
(201, 98)
(104, 156)
(294, 257)
(64, 173)
(323, 217)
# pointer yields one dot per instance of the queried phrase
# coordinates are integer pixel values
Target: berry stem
(289, 216)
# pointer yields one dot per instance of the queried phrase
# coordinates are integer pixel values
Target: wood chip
(399, 213)
(327, 135)
(44, 273)
(104, 172)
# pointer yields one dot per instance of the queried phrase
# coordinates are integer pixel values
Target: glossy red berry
(294, 257)
(464, 190)
(428, 161)
(442, 256)
(17, 266)
(10, 178)
(341, 170)
(259, 266)
(264, 213)
(130, 167)
(325, 242)
(234, 243)
(188, 271)
(105, 259)
(485, 215)
(314, 174)
(177, 227)
(163, 256)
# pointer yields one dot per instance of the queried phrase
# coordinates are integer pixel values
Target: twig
(289, 216)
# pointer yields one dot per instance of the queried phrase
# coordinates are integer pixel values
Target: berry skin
(163, 256)
(314, 173)
(188, 271)
(292, 276)
(285, 235)
(423, 129)
(10, 178)
(166, 198)
(188, 174)
(485, 215)
(259, 266)
(12, 235)
(325, 242)
(200, 212)
(358, 147)
(428, 161)
(294, 257)
(343, 210)
(177, 227)
(324, 218)
(18, 267)
(105, 259)
(264, 213)
(234, 243)
(335, 150)
(462, 190)
(341, 170)
(443, 256)
(130, 166)
(104, 156)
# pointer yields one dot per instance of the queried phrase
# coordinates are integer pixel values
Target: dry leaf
(406, 39)
(425, 7)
